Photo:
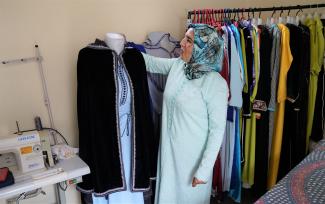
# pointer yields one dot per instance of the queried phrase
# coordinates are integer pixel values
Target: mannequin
(114, 122)
(116, 42)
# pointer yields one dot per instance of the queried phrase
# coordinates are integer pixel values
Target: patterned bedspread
(303, 184)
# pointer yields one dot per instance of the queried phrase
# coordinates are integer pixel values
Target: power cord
(65, 140)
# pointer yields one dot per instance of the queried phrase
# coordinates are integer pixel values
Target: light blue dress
(193, 125)
(123, 197)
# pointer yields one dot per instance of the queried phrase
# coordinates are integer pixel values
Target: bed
(303, 184)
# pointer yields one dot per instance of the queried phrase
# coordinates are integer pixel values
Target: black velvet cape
(98, 122)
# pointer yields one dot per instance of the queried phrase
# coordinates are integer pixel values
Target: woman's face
(187, 45)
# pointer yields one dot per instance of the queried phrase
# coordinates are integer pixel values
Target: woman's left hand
(197, 181)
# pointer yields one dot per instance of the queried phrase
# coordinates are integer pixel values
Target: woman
(193, 118)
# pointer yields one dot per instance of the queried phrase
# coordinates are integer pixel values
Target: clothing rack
(242, 10)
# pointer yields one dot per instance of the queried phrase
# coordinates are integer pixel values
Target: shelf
(72, 168)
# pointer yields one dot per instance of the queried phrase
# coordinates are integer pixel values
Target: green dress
(316, 60)
(193, 124)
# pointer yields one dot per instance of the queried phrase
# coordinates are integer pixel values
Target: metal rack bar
(236, 10)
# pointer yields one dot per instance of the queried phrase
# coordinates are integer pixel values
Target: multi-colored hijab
(207, 52)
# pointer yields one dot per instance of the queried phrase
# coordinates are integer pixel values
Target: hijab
(207, 52)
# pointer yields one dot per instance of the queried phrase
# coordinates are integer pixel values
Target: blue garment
(239, 50)
(125, 121)
(227, 152)
(235, 185)
(136, 46)
(235, 69)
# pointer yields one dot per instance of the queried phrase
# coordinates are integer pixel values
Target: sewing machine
(22, 154)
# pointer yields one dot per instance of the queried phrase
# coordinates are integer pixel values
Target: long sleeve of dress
(157, 64)
(215, 96)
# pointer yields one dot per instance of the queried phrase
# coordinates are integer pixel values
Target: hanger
(272, 21)
(316, 15)
(218, 22)
(253, 19)
(238, 17)
(216, 12)
(204, 16)
(259, 20)
(323, 16)
(297, 17)
(208, 17)
(242, 14)
(218, 15)
(228, 19)
(229, 22)
(280, 17)
(288, 17)
(292, 20)
(194, 16)
(207, 21)
(206, 11)
(309, 16)
(212, 17)
(199, 16)
(248, 14)
(197, 20)
(235, 18)
(224, 17)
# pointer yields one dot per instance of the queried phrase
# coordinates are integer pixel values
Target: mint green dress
(193, 124)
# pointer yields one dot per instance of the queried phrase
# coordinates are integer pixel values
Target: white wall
(61, 28)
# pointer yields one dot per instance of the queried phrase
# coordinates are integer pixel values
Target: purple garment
(161, 44)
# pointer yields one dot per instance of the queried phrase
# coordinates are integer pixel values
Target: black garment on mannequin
(99, 137)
